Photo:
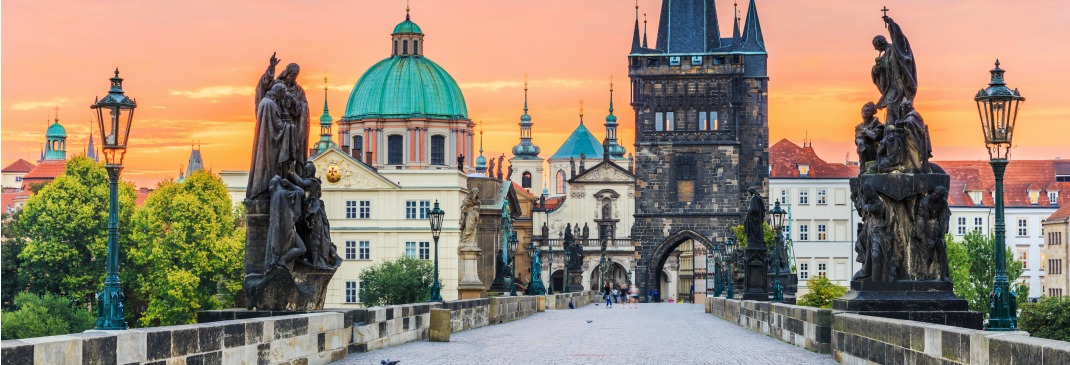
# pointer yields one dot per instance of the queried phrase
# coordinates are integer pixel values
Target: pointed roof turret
(752, 31)
(325, 141)
(636, 46)
(481, 162)
(615, 151)
(736, 37)
(91, 151)
(526, 150)
(688, 26)
(644, 32)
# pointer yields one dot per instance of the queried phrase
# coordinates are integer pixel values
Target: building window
(659, 122)
(822, 196)
(1055, 292)
(821, 232)
(804, 170)
(804, 271)
(822, 270)
(365, 209)
(425, 207)
(975, 197)
(395, 46)
(410, 250)
(804, 196)
(1053, 198)
(785, 196)
(1023, 228)
(365, 250)
(425, 250)
(351, 292)
(1055, 266)
(18, 178)
(410, 209)
(351, 209)
(804, 232)
(358, 147)
(438, 150)
(525, 180)
(395, 145)
(351, 250)
(1023, 256)
(978, 224)
(670, 121)
(1034, 197)
(560, 182)
(415, 46)
(961, 225)
(703, 124)
(715, 124)
(417, 209)
(405, 46)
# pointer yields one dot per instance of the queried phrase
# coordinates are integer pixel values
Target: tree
(971, 263)
(48, 315)
(821, 292)
(12, 280)
(1047, 318)
(188, 249)
(741, 236)
(64, 232)
(402, 281)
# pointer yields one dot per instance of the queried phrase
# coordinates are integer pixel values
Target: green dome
(55, 130)
(406, 87)
(407, 26)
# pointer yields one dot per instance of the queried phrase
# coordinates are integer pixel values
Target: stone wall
(861, 339)
(560, 300)
(241, 337)
(806, 327)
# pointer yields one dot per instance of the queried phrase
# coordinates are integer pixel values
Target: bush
(402, 281)
(49, 315)
(1047, 318)
(821, 293)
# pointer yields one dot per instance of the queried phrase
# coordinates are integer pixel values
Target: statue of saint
(273, 143)
(314, 227)
(284, 244)
(754, 224)
(460, 162)
(868, 135)
(932, 225)
(894, 72)
(501, 160)
(879, 265)
(298, 110)
(490, 169)
(469, 218)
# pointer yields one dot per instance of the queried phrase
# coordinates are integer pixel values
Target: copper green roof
(581, 141)
(406, 87)
(56, 131)
(407, 26)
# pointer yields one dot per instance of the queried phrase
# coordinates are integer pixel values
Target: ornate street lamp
(513, 243)
(435, 217)
(997, 106)
(776, 217)
(535, 286)
(550, 264)
(115, 114)
(718, 277)
(730, 277)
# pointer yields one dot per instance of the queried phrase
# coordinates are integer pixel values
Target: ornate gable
(339, 171)
(604, 172)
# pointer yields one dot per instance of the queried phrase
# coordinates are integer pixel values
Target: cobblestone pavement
(658, 333)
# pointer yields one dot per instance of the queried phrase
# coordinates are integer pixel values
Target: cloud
(31, 105)
(214, 92)
(501, 84)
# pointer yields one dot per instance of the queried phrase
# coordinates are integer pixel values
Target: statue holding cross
(894, 72)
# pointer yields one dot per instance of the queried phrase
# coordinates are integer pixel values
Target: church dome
(581, 141)
(406, 87)
(56, 131)
(526, 151)
(407, 26)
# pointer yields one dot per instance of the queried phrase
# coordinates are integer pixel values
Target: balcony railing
(696, 137)
(593, 242)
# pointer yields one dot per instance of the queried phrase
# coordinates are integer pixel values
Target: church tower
(526, 163)
(55, 142)
(701, 130)
(325, 141)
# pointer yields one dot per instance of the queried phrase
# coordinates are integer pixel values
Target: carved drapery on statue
(289, 256)
(755, 280)
(573, 250)
(469, 218)
(902, 199)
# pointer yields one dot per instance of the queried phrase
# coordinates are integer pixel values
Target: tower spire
(735, 24)
(325, 141)
(611, 150)
(581, 111)
(636, 46)
(406, 9)
(481, 162)
(752, 31)
(644, 31)
(525, 150)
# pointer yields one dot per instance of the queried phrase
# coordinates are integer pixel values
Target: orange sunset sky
(192, 65)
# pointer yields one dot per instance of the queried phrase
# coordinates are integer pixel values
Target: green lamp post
(435, 217)
(718, 275)
(776, 215)
(729, 275)
(997, 106)
(511, 262)
(115, 114)
(535, 287)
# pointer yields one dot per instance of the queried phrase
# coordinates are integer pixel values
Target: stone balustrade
(239, 336)
(860, 339)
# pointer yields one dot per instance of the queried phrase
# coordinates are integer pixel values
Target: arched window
(405, 46)
(607, 208)
(358, 145)
(395, 47)
(525, 180)
(438, 150)
(416, 47)
(560, 181)
(395, 145)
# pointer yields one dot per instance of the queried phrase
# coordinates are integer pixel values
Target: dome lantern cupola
(56, 137)
(407, 38)
(616, 151)
(526, 150)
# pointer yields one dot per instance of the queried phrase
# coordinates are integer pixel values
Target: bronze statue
(894, 72)
(298, 110)
(510, 176)
(868, 135)
(879, 262)
(932, 225)
(573, 250)
(284, 244)
(273, 143)
(754, 225)
(490, 169)
(501, 159)
(460, 162)
(314, 224)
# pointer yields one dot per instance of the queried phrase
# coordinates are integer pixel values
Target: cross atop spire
(406, 9)
(581, 111)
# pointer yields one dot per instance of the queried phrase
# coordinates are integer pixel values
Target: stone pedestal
(923, 301)
(439, 330)
(470, 287)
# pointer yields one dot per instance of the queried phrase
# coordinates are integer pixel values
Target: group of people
(614, 293)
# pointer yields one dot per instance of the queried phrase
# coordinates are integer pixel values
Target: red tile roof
(142, 194)
(7, 200)
(1021, 176)
(19, 165)
(45, 172)
(785, 156)
(1062, 213)
(555, 202)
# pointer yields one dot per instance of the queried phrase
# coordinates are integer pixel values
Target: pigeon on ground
(389, 362)
(589, 321)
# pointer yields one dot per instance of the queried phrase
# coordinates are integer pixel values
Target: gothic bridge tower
(701, 130)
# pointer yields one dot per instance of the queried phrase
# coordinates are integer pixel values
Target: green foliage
(63, 230)
(821, 292)
(402, 281)
(187, 253)
(971, 263)
(50, 315)
(12, 280)
(1047, 318)
(741, 235)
